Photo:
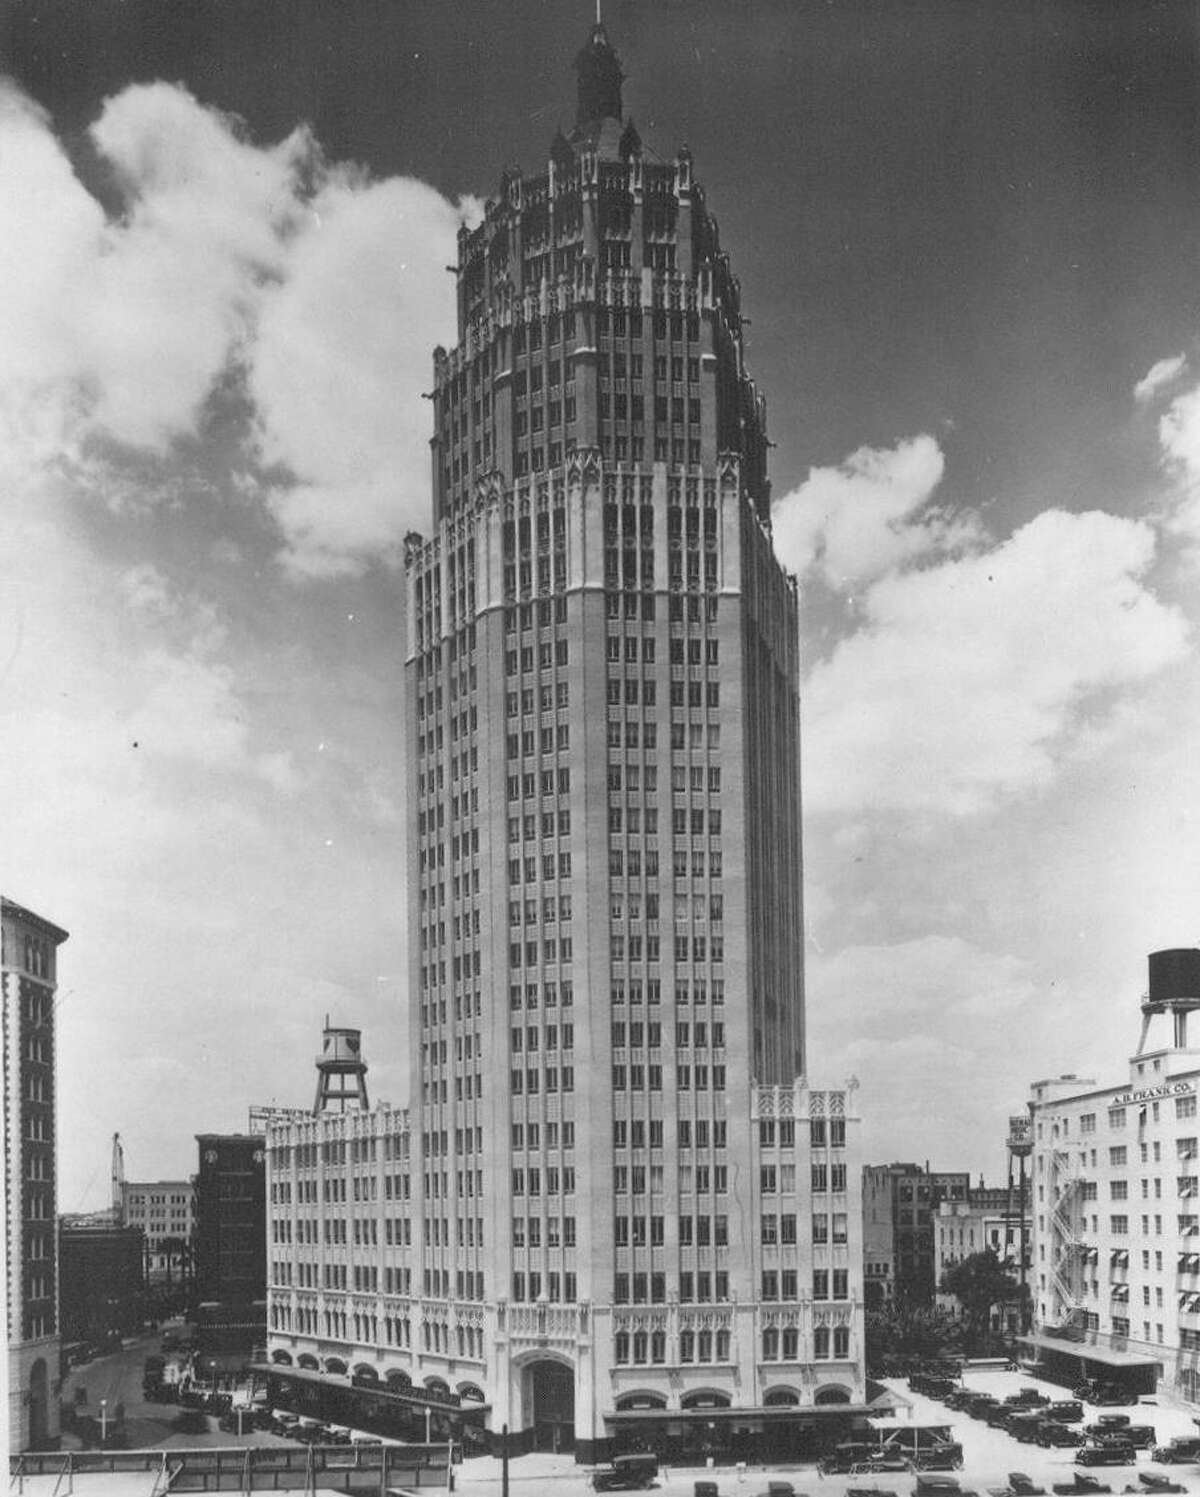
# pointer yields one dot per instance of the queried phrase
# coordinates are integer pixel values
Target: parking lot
(988, 1454)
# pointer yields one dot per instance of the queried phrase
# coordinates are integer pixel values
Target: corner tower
(604, 867)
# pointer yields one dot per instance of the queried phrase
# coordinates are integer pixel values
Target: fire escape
(1069, 1252)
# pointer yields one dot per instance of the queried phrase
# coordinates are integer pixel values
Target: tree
(906, 1332)
(978, 1282)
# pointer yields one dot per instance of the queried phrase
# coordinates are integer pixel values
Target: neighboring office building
(231, 1256)
(28, 975)
(900, 1204)
(990, 1218)
(101, 1278)
(165, 1210)
(1116, 1207)
(606, 931)
(345, 1295)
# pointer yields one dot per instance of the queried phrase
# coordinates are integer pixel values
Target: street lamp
(104, 1421)
(428, 1421)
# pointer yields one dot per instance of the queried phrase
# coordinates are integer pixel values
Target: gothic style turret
(600, 76)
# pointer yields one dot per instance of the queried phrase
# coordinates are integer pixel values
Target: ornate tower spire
(600, 76)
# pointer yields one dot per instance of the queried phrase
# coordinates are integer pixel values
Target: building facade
(900, 1207)
(990, 1219)
(1116, 1205)
(101, 1279)
(604, 873)
(165, 1210)
(231, 1248)
(28, 967)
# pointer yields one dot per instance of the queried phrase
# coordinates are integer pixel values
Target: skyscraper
(28, 966)
(605, 932)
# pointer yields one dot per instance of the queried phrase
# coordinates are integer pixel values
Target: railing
(369, 1467)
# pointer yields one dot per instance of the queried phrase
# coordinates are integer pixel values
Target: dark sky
(973, 217)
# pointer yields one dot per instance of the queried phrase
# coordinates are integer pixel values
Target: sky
(966, 233)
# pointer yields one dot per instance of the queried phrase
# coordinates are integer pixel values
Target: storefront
(710, 1429)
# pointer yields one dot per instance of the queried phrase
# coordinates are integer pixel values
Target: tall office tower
(28, 960)
(605, 877)
(615, 1212)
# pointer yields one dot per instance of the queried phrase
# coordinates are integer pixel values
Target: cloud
(1159, 376)
(911, 1020)
(968, 681)
(868, 515)
(304, 293)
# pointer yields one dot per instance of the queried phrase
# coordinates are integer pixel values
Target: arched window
(687, 1346)
(770, 1344)
(841, 1341)
(641, 1343)
(791, 1344)
(704, 1347)
(658, 1346)
(622, 1346)
(821, 1343)
(722, 1346)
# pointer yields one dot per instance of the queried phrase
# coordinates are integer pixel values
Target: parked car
(1183, 1448)
(1081, 1485)
(1156, 1481)
(959, 1398)
(628, 1473)
(1030, 1397)
(1140, 1436)
(1107, 1424)
(937, 1485)
(1050, 1432)
(1066, 1411)
(1107, 1453)
(978, 1404)
(1025, 1427)
(843, 1458)
(1021, 1485)
(948, 1457)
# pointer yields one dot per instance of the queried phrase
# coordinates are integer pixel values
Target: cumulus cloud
(1158, 377)
(968, 679)
(928, 1009)
(871, 513)
(310, 291)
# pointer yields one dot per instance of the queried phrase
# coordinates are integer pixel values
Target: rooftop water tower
(341, 1072)
(1174, 989)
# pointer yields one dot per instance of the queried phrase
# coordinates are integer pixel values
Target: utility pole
(504, 1460)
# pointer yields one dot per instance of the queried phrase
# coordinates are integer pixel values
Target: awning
(415, 1398)
(1085, 1351)
(766, 1412)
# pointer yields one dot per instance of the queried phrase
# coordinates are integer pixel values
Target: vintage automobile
(1019, 1485)
(1066, 1411)
(1050, 1432)
(1107, 1453)
(1182, 1449)
(628, 1473)
(1156, 1481)
(1081, 1485)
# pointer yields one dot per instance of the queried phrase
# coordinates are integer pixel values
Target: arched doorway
(39, 1406)
(551, 1388)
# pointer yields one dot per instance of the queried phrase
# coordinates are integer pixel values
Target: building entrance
(552, 1388)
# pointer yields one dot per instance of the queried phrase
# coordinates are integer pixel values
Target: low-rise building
(900, 1203)
(165, 1210)
(989, 1219)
